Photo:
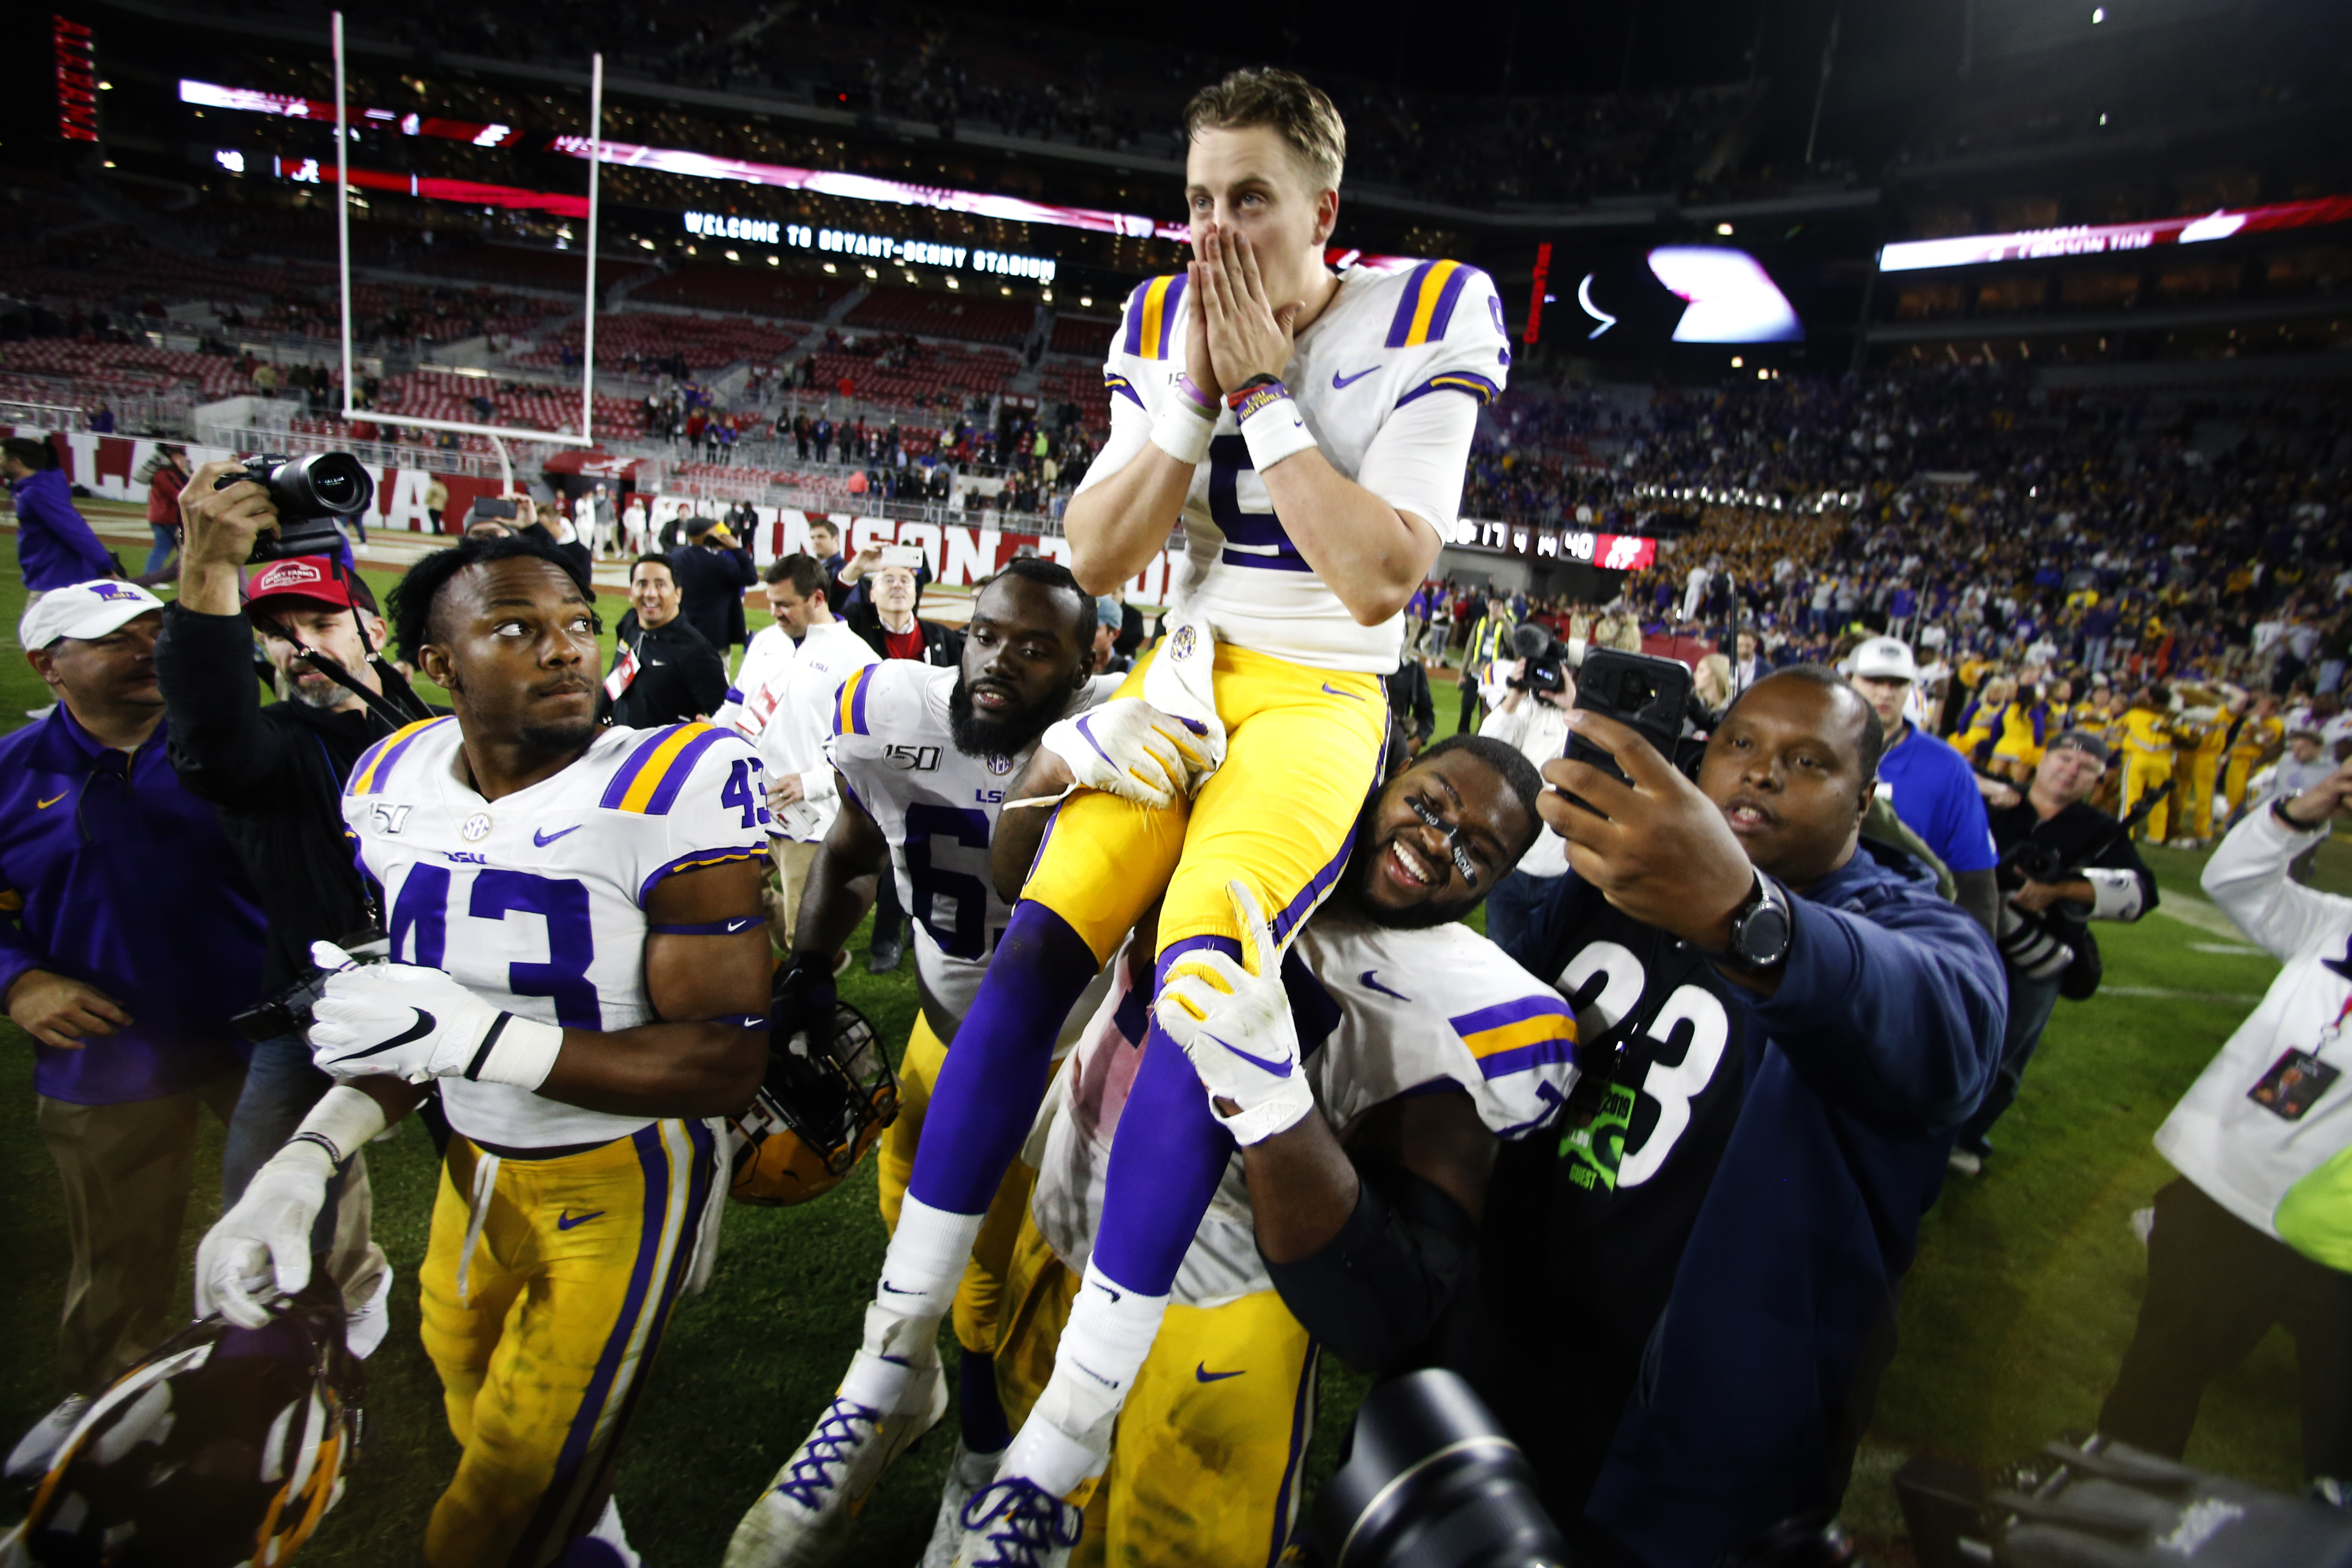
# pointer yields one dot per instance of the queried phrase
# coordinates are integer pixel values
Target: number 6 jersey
(535, 901)
(895, 750)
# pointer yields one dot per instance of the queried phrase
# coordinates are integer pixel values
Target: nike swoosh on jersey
(1279, 1069)
(1203, 1374)
(1341, 383)
(544, 839)
(45, 804)
(743, 924)
(567, 1219)
(1353, 696)
(1366, 980)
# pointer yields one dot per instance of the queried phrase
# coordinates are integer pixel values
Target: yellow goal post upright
(497, 432)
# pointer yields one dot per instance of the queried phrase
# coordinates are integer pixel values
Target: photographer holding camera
(2063, 862)
(1531, 717)
(276, 774)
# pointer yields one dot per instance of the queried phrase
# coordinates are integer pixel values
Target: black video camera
(1541, 670)
(2033, 861)
(310, 493)
(288, 1012)
(1432, 1482)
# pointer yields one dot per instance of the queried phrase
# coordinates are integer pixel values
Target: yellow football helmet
(828, 1094)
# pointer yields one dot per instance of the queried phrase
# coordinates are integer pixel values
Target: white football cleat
(966, 1473)
(1016, 1524)
(801, 1518)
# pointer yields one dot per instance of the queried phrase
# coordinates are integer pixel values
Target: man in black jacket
(885, 616)
(275, 776)
(1410, 700)
(713, 572)
(664, 672)
(2083, 867)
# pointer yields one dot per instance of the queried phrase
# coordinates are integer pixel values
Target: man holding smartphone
(1780, 1025)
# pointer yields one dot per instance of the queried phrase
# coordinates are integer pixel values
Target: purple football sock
(1166, 1159)
(988, 1089)
(985, 1430)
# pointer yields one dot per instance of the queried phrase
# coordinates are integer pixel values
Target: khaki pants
(126, 1170)
(792, 860)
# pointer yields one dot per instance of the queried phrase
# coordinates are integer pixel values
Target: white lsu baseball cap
(84, 611)
(1885, 658)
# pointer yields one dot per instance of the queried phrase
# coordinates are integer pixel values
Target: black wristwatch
(1760, 929)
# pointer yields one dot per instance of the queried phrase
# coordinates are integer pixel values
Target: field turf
(2014, 1318)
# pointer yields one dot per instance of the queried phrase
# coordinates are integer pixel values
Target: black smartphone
(1637, 689)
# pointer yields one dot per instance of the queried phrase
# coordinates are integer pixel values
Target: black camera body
(309, 492)
(1542, 669)
(288, 1012)
(2031, 861)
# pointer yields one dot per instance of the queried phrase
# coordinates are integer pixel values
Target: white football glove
(261, 1246)
(1237, 1026)
(1134, 750)
(407, 1021)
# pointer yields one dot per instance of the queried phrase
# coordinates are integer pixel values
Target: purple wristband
(1193, 394)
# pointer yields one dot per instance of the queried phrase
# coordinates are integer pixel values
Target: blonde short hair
(1294, 108)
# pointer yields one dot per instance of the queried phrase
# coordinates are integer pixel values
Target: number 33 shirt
(535, 901)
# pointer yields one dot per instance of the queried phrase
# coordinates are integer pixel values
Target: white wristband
(519, 1051)
(1272, 426)
(1182, 430)
(341, 1123)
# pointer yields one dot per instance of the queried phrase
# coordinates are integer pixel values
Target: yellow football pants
(980, 1295)
(2144, 770)
(2235, 775)
(1206, 1458)
(1303, 751)
(544, 1336)
(2198, 777)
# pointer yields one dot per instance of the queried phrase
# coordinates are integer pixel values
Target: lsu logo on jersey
(1184, 643)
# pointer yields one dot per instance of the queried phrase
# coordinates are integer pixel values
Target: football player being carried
(1406, 1045)
(923, 758)
(580, 965)
(1310, 431)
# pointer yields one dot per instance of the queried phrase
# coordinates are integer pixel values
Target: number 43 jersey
(535, 901)
(895, 750)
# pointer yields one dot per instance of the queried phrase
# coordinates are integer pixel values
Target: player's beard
(1364, 856)
(553, 739)
(976, 735)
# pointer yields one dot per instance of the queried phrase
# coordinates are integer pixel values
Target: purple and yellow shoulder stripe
(849, 702)
(1512, 1037)
(1151, 318)
(1426, 309)
(373, 770)
(1124, 387)
(1462, 381)
(649, 778)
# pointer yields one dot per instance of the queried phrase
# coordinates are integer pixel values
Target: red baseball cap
(318, 579)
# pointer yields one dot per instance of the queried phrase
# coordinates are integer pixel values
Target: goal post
(499, 434)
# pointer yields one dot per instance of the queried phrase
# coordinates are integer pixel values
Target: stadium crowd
(1644, 1166)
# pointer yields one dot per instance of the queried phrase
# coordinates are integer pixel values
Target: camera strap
(399, 709)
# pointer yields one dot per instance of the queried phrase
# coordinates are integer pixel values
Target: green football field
(2014, 1320)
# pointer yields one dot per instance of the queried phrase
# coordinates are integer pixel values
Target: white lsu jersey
(1381, 1013)
(895, 750)
(1389, 379)
(535, 901)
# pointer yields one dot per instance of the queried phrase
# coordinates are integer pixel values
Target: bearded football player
(580, 965)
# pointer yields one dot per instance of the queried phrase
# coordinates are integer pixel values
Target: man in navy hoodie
(1686, 1298)
(54, 545)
